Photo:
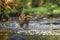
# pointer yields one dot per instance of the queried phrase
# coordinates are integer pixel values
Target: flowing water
(40, 24)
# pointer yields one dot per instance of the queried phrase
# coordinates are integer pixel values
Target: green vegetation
(42, 37)
(38, 37)
(43, 7)
(38, 10)
(54, 9)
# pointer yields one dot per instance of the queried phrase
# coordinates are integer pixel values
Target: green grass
(39, 10)
(44, 10)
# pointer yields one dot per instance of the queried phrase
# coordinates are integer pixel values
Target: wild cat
(24, 18)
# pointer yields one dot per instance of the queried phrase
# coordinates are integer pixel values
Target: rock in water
(17, 38)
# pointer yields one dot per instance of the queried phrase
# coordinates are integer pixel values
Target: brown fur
(24, 19)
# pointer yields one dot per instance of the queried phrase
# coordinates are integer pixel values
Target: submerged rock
(16, 37)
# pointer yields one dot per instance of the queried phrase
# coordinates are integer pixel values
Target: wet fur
(24, 19)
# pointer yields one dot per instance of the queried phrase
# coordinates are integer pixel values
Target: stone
(16, 37)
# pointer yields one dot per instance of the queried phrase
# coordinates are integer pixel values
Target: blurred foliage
(46, 7)
(45, 10)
